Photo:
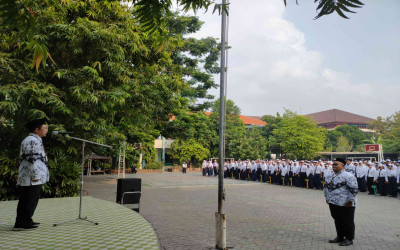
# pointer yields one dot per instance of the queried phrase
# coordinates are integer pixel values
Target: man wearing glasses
(340, 191)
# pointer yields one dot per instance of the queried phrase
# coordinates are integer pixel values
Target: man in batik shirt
(340, 191)
(33, 173)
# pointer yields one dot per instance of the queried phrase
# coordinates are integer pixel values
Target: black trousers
(310, 181)
(383, 186)
(393, 186)
(28, 200)
(303, 176)
(362, 184)
(264, 176)
(370, 182)
(344, 221)
(317, 181)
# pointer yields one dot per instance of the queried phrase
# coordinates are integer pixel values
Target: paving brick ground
(181, 209)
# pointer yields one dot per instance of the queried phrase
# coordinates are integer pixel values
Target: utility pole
(220, 216)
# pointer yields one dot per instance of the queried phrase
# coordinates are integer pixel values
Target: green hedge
(153, 165)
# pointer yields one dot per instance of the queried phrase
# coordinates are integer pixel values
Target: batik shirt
(341, 188)
(350, 168)
(32, 162)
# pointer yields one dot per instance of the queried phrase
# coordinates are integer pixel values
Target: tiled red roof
(338, 116)
(247, 120)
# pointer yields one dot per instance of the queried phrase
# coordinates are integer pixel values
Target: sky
(283, 59)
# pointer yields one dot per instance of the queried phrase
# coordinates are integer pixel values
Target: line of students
(381, 177)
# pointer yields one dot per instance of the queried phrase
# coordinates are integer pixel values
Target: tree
(354, 135)
(234, 127)
(266, 131)
(388, 132)
(332, 139)
(188, 151)
(152, 16)
(192, 126)
(252, 145)
(109, 82)
(391, 138)
(199, 60)
(343, 145)
(298, 136)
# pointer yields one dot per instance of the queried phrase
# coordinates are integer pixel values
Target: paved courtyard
(115, 222)
(181, 209)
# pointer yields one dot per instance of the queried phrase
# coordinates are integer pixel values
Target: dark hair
(35, 124)
(341, 160)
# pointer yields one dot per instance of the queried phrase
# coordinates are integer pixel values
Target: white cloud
(270, 67)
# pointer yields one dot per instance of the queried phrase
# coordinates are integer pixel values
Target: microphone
(61, 133)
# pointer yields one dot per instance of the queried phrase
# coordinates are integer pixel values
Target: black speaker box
(128, 185)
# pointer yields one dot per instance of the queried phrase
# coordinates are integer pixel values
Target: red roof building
(333, 118)
(249, 121)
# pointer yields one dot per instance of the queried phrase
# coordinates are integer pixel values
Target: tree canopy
(152, 16)
(388, 132)
(298, 136)
(109, 81)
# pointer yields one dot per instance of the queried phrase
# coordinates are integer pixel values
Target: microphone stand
(82, 167)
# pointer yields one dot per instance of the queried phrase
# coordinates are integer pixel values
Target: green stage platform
(118, 228)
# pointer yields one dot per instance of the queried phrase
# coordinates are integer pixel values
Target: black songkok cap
(341, 160)
(35, 124)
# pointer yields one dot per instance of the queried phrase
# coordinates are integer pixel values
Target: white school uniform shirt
(314, 167)
(309, 170)
(392, 173)
(271, 168)
(284, 170)
(398, 172)
(382, 173)
(361, 171)
(370, 172)
(296, 169)
(264, 166)
(318, 169)
(327, 171)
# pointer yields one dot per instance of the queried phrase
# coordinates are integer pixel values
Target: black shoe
(35, 223)
(24, 228)
(336, 240)
(346, 242)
